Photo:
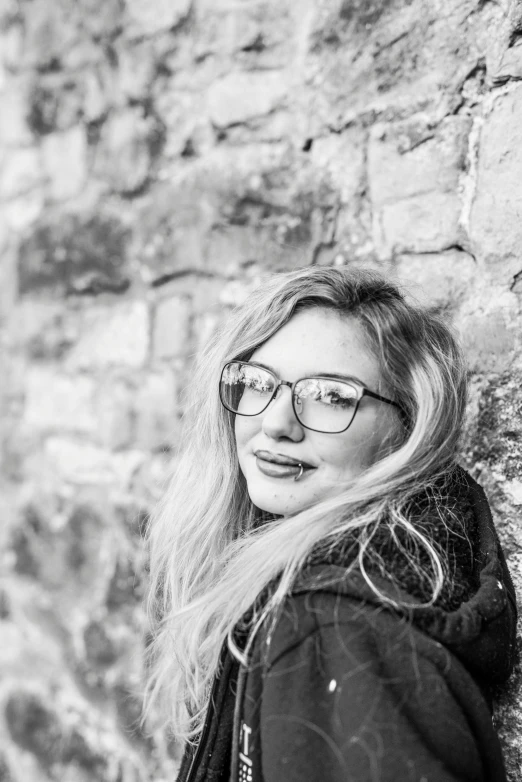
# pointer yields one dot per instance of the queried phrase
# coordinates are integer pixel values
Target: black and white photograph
(260, 390)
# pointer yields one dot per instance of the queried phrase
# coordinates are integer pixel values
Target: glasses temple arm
(367, 392)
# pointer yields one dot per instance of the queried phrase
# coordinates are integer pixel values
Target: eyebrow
(332, 375)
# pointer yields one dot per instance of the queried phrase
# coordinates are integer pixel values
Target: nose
(279, 421)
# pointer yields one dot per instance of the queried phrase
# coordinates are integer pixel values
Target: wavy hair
(210, 557)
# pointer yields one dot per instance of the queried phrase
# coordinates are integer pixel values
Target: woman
(329, 597)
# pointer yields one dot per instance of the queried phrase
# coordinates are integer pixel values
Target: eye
(334, 398)
(256, 381)
(337, 399)
(328, 393)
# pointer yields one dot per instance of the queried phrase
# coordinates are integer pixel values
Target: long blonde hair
(210, 557)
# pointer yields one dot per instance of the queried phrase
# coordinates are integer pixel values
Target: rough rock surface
(155, 158)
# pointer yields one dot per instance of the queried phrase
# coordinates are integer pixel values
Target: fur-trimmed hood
(477, 619)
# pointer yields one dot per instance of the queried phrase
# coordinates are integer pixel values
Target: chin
(276, 504)
(270, 505)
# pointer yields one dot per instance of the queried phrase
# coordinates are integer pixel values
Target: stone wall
(155, 157)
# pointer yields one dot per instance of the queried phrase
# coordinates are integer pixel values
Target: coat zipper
(236, 730)
(208, 721)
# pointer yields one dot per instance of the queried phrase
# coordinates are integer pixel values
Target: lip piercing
(300, 473)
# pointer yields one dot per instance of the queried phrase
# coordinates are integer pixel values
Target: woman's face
(312, 342)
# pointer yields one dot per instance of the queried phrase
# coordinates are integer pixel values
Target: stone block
(281, 125)
(261, 36)
(274, 212)
(20, 172)
(188, 131)
(129, 142)
(137, 64)
(49, 31)
(21, 213)
(150, 19)
(55, 102)
(5, 769)
(171, 223)
(115, 412)
(116, 335)
(410, 158)
(41, 329)
(76, 253)
(126, 586)
(414, 173)
(171, 334)
(203, 290)
(81, 537)
(489, 337)
(498, 37)
(100, 648)
(241, 96)
(14, 129)
(12, 44)
(437, 280)
(286, 241)
(343, 156)
(235, 246)
(54, 739)
(55, 401)
(25, 545)
(8, 281)
(422, 224)
(64, 158)
(67, 555)
(99, 18)
(5, 609)
(99, 85)
(510, 65)
(388, 57)
(495, 225)
(81, 464)
(156, 412)
(34, 726)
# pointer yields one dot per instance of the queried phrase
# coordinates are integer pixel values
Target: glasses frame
(362, 391)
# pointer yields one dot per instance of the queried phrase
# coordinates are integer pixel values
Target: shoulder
(326, 624)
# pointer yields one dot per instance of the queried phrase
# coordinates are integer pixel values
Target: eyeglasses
(322, 404)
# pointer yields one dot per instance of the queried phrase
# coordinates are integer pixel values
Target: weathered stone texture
(496, 230)
(116, 334)
(128, 143)
(239, 97)
(163, 15)
(64, 157)
(438, 280)
(75, 253)
(156, 158)
(413, 175)
(386, 57)
(171, 327)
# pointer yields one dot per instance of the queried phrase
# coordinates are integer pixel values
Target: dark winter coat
(350, 690)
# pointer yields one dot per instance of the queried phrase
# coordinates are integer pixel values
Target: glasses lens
(325, 405)
(246, 389)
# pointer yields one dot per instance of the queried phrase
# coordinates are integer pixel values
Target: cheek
(353, 450)
(339, 454)
(244, 429)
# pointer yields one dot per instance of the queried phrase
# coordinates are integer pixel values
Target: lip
(275, 470)
(276, 465)
(279, 458)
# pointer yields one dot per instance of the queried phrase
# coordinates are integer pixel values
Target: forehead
(320, 341)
